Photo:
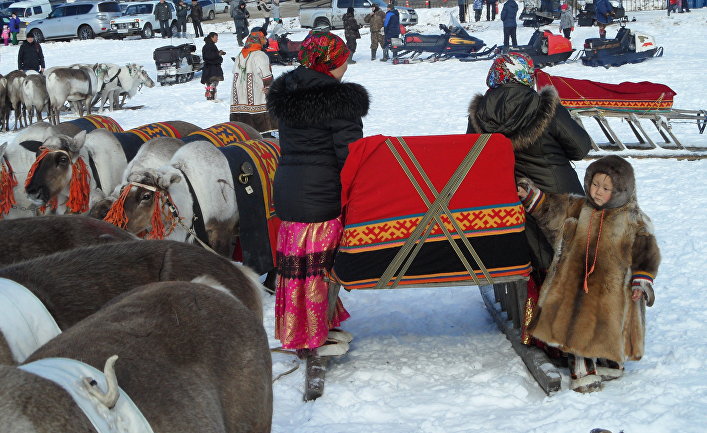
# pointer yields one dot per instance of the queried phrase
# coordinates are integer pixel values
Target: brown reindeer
(191, 357)
(76, 283)
(29, 238)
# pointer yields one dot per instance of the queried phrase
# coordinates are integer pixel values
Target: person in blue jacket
(391, 27)
(510, 25)
(604, 11)
(14, 25)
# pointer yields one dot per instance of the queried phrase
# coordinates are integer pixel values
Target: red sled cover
(382, 208)
(626, 96)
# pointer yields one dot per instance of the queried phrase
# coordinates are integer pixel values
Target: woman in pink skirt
(318, 116)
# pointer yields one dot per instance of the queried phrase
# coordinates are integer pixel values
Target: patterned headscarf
(254, 42)
(322, 51)
(511, 67)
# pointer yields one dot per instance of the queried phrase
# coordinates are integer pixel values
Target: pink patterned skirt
(305, 254)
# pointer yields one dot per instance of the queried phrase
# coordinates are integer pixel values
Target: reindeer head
(141, 202)
(53, 170)
(145, 78)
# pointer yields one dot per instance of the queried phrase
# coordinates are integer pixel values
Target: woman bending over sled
(592, 303)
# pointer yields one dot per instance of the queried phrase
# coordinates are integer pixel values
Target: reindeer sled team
(100, 328)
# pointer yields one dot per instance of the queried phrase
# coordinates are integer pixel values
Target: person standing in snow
(240, 17)
(265, 9)
(197, 16)
(351, 32)
(604, 12)
(182, 12)
(510, 25)
(593, 302)
(211, 73)
(163, 14)
(392, 30)
(30, 56)
(545, 139)
(252, 78)
(462, 10)
(566, 20)
(478, 8)
(491, 9)
(318, 116)
(14, 24)
(376, 19)
(276, 10)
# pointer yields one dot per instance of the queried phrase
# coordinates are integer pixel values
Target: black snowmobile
(540, 12)
(546, 48)
(626, 47)
(176, 64)
(455, 42)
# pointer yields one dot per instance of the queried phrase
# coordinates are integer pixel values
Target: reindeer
(116, 268)
(74, 84)
(14, 96)
(191, 357)
(34, 95)
(126, 81)
(29, 238)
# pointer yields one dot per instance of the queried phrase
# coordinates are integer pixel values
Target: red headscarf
(323, 51)
(254, 42)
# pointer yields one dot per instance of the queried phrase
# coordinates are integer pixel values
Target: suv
(139, 19)
(208, 9)
(82, 19)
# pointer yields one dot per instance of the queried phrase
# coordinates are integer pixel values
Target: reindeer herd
(29, 94)
(99, 328)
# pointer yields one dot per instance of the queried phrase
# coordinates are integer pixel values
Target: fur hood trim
(524, 137)
(326, 100)
(621, 173)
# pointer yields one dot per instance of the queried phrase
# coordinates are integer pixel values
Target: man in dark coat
(510, 25)
(392, 30)
(351, 32)
(163, 14)
(240, 17)
(182, 12)
(491, 10)
(197, 16)
(376, 19)
(544, 136)
(30, 56)
(211, 73)
(603, 14)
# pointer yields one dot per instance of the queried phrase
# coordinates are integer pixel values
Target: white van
(30, 10)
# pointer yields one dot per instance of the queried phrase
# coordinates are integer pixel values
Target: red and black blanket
(575, 94)
(382, 208)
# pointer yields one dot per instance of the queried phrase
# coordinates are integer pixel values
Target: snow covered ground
(432, 360)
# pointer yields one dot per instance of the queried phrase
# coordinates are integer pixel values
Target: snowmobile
(626, 47)
(455, 42)
(540, 12)
(546, 48)
(176, 64)
(281, 50)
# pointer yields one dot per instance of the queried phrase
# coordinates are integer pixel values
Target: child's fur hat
(621, 174)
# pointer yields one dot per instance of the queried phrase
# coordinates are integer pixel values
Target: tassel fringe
(8, 182)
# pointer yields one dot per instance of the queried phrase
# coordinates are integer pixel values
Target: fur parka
(603, 322)
(317, 117)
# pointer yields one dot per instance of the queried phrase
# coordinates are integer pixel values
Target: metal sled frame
(415, 56)
(659, 119)
(534, 358)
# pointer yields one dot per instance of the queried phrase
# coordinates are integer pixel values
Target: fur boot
(584, 374)
(207, 93)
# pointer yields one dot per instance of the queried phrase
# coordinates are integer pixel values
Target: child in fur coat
(592, 303)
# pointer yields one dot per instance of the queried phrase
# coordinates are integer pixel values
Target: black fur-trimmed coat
(604, 322)
(317, 117)
(544, 136)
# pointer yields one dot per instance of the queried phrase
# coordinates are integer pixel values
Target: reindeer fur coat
(604, 322)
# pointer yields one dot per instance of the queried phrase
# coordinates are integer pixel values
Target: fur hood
(304, 97)
(516, 111)
(621, 174)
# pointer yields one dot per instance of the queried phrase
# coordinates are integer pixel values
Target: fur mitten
(646, 287)
(534, 197)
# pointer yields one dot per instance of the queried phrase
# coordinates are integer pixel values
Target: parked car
(30, 10)
(208, 9)
(82, 19)
(329, 15)
(139, 19)
(221, 7)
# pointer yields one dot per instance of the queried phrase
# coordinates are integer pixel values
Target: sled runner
(446, 214)
(631, 103)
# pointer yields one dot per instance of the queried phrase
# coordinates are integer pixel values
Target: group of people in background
(163, 14)
(384, 27)
(478, 7)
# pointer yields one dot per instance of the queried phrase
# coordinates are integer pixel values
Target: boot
(213, 93)
(351, 61)
(373, 54)
(385, 55)
(207, 93)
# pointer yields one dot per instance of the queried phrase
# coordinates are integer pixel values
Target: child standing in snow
(566, 20)
(6, 34)
(592, 304)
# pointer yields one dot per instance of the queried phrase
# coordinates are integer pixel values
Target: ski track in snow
(432, 360)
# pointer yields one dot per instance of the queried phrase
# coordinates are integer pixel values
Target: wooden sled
(440, 227)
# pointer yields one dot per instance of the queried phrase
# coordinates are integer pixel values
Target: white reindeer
(126, 81)
(74, 84)
(34, 95)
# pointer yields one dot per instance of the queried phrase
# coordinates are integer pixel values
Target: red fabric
(639, 96)
(557, 43)
(371, 193)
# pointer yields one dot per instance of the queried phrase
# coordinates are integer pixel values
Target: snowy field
(432, 360)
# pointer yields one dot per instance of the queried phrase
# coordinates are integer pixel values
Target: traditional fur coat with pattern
(602, 322)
